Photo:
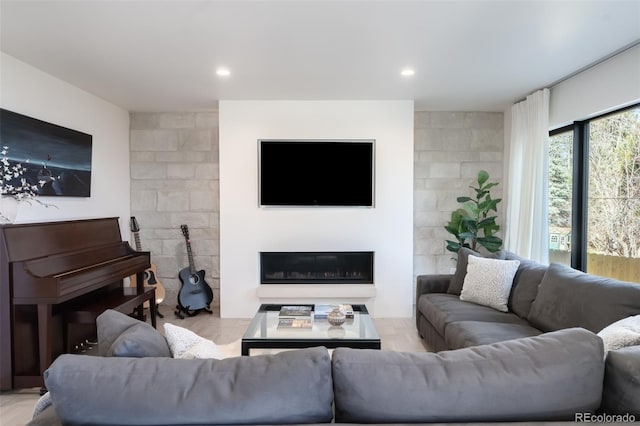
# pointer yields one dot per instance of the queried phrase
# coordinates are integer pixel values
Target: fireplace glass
(316, 267)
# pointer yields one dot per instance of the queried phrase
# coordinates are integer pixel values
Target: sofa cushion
(547, 377)
(525, 285)
(111, 324)
(621, 334)
(443, 309)
(121, 335)
(570, 298)
(488, 282)
(286, 388)
(464, 334)
(455, 285)
(621, 394)
(137, 341)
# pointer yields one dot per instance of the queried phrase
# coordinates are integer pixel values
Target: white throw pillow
(186, 344)
(621, 334)
(42, 404)
(488, 282)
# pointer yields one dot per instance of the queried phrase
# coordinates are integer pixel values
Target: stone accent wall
(449, 150)
(175, 181)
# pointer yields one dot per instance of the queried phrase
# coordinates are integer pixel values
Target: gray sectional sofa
(540, 363)
(542, 299)
(545, 379)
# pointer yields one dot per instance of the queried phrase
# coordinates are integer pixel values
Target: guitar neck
(136, 238)
(192, 266)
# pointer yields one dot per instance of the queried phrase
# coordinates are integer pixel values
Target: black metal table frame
(299, 343)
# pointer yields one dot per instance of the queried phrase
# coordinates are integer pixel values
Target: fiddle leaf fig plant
(473, 224)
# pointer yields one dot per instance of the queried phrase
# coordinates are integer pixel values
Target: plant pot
(9, 207)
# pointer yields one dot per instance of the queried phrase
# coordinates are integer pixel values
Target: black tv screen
(316, 173)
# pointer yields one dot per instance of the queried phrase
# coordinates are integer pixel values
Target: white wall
(29, 91)
(610, 85)
(246, 229)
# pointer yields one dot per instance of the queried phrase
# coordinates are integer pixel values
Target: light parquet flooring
(398, 334)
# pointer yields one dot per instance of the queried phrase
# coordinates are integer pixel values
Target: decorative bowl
(336, 317)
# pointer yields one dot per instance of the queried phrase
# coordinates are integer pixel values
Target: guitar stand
(158, 311)
(182, 311)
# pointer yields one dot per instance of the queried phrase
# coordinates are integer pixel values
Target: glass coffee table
(358, 332)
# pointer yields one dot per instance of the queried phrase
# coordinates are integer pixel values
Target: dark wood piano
(56, 271)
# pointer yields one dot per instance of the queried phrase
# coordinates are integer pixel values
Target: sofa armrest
(621, 393)
(432, 283)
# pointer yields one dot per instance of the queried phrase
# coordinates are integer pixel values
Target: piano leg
(44, 335)
(45, 332)
(153, 308)
(138, 313)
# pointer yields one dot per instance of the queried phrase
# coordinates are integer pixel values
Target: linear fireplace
(316, 267)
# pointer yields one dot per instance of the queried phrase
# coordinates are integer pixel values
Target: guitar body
(151, 274)
(195, 294)
(151, 279)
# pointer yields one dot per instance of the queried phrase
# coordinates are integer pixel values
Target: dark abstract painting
(57, 159)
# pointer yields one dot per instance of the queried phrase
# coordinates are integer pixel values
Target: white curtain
(527, 229)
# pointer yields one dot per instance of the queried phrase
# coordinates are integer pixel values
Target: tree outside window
(560, 194)
(613, 217)
(610, 155)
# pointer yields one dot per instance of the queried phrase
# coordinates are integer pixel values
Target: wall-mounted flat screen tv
(316, 173)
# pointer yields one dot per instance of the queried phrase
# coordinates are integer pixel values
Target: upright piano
(52, 271)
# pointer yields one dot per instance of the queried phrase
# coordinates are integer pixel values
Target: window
(560, 193)
(594, 195)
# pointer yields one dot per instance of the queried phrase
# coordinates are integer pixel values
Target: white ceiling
(162, 55)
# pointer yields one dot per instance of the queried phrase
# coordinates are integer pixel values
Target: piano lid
(55, 261)
(33, 240)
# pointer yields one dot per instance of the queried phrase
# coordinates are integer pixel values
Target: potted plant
(473, 224)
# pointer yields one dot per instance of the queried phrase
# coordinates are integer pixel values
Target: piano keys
(56, 271)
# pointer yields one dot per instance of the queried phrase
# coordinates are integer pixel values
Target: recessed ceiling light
(223, 72)
(407, 72)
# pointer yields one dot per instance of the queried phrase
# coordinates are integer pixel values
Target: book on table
(321, 311)
(295, 322)
(295, 311)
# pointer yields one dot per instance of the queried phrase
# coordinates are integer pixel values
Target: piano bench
(124, 299)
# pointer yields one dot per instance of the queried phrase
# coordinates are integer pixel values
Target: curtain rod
(589, 66)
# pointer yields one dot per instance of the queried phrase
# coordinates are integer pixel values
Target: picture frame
(56, 159)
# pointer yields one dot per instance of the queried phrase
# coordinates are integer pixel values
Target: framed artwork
(55, 158)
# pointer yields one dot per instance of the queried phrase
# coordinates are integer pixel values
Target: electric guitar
(195, 294)
(150, 275)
